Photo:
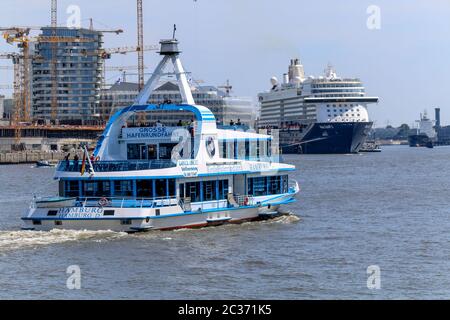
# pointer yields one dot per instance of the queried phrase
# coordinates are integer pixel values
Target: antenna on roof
(174, 31)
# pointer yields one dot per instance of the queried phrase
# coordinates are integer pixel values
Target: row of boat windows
(228, 149)
(142, 151)
(344, 115)
(343, 105)
(262, 186)
(245, 150)
(157, 188)
(338, 90)
(205, 190)
(337, 85)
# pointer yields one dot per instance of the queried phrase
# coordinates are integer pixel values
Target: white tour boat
(162, 178)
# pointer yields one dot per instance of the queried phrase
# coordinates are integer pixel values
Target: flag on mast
(91, 167)
(83, 164)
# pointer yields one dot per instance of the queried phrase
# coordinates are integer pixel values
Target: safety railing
(293, 186)
(115, 166)
(97, 202)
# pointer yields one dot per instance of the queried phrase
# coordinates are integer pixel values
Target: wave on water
(14, 240)
(286, 219)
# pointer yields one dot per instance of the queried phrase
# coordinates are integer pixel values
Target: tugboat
(164, 178)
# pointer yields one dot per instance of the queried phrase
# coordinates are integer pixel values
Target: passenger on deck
(231, 122)
(75, 160)
(239, 122)
(67, 160)
(159, 124)
(179, 124)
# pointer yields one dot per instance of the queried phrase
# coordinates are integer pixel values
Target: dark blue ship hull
(325, 138)
(420, 140)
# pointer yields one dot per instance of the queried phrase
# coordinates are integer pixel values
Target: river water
(389, 210)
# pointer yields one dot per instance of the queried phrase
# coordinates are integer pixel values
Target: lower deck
(159, 204)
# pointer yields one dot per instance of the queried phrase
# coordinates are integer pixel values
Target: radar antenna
(174, 31)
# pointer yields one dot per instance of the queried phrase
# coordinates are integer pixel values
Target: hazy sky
(406, 62)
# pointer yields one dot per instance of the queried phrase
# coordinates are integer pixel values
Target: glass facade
(79, 74)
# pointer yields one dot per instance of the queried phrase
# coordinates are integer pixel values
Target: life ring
(103, 202)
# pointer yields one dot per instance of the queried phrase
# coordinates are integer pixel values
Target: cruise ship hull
(326, 138)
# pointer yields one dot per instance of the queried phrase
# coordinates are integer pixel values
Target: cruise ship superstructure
(160, 178)
(327, 114)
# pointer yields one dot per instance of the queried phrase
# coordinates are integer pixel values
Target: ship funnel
(296, 72)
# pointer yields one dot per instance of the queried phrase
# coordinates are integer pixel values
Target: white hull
(143, 219)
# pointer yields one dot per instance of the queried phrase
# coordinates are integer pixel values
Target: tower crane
(140, 43)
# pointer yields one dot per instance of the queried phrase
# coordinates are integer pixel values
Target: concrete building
(2, 107)
(78, 72)
(6, 109)
(224, 106)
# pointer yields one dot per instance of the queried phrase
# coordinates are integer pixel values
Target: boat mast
(170, 53)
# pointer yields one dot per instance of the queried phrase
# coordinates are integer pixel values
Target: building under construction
(219, 100)
(78, 74)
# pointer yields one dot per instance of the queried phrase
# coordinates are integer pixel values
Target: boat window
(72, 189)
(274, 185)
(134, 151)
(172, 188)
(160, 188)
(193, 191)
(285, 184)
(96, 189)
(165, 150)
(182, 195)
(223, 149)
(247, 149)
(223, 189)
(262, 186)
(123, 188)
(144, 188)
(152, 152)
(209, 190)
(257, 186)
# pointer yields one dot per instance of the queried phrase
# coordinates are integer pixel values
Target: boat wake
(14, 240)
(286, 219)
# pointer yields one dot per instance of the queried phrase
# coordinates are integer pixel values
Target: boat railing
(103, 202)
(293, 186)
(244, 201)
(115, 166)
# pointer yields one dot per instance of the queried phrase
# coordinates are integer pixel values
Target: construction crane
(107, 53)
(54, 62)
(21, 64)
(140, 43)
(228, 87)
(19, 112)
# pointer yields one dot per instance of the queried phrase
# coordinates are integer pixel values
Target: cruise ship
(164, 178)
(323, 115)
